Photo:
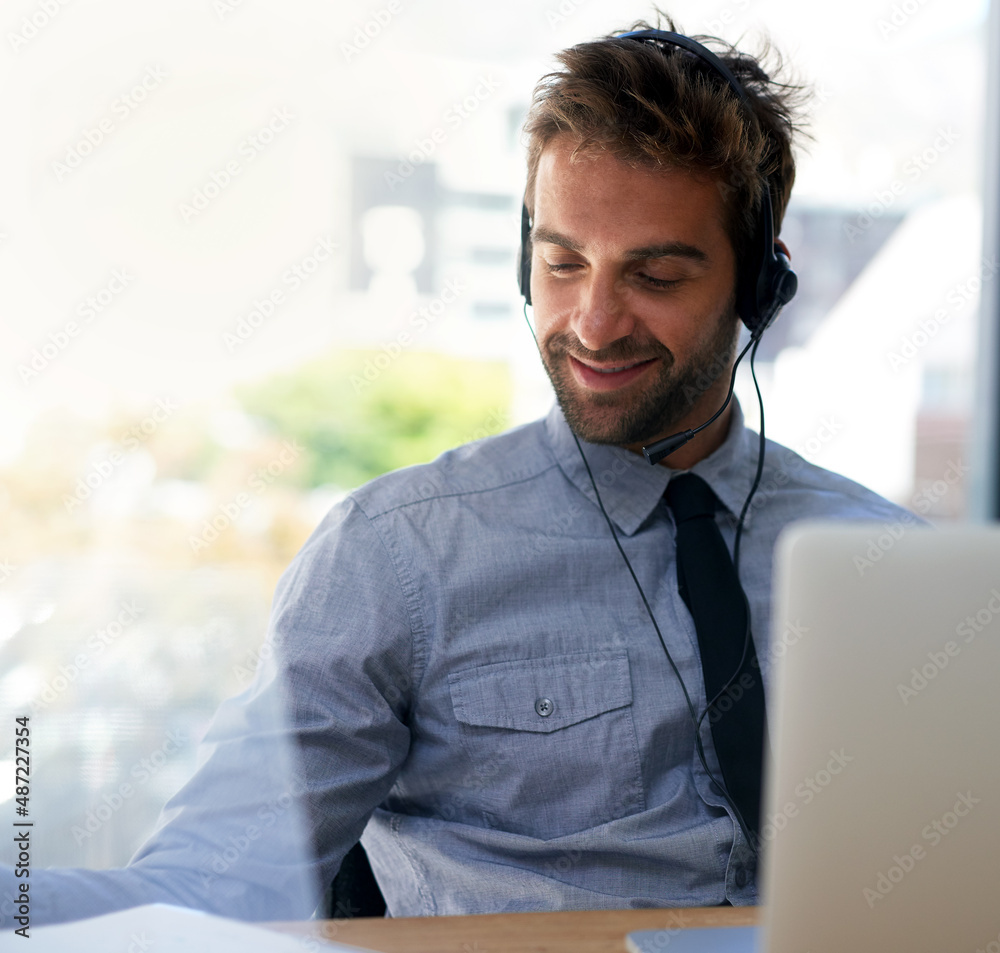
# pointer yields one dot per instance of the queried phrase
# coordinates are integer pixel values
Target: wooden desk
(586, 931)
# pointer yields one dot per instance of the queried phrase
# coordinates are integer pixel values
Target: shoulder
(495, 463)
(362, 562)
(794, 488)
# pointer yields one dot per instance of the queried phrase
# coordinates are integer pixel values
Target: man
(468, 663)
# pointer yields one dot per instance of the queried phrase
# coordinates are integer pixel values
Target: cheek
(552, 307)
(673, 323)
(684, 326)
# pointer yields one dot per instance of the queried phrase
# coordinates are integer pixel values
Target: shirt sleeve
(291, 769)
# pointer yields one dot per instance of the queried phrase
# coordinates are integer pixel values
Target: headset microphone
(765, 284)
(656, 452)
(776, 286)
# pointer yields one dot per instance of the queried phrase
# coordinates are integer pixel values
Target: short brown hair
(673, 111)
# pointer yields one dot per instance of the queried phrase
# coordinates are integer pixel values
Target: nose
(602, 315)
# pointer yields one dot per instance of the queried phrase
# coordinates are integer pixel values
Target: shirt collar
(631, 488)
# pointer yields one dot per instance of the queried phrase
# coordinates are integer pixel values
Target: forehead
(593, 192)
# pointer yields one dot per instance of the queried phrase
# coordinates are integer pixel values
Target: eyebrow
(664, 250)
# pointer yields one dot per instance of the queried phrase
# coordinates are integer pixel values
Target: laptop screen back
(881, 827)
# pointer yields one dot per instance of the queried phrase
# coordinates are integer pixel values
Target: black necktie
(710, 588)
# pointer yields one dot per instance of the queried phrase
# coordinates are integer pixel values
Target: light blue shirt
(469, 670)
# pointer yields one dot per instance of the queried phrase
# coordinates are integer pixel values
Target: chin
(642, 412)
(620, 425)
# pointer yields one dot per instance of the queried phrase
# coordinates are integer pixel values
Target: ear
(784, 248)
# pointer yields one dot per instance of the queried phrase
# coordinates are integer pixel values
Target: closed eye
(566, 267)
(562, 266)
(658, 282)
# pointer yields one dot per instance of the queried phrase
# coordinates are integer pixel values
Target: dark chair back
(354, 892)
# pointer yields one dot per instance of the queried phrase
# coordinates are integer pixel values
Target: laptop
(881, 827)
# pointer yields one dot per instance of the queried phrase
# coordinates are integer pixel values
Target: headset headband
(766, 283)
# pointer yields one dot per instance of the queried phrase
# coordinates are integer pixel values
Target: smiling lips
(609, 378)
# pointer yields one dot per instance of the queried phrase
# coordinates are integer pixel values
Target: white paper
(161, 928)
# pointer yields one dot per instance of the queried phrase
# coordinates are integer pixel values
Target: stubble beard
(634, 417)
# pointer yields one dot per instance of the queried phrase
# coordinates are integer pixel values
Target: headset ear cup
(785, 281)
(752, 290)
(778, 287)
(524, 256)
(767, 282)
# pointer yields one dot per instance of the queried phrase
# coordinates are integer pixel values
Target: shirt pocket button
(544, 707)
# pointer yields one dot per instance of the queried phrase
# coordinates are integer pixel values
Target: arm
(290, 769)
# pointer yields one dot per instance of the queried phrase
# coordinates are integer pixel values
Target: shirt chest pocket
(552, 741)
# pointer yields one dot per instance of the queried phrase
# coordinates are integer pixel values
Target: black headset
(766, 282)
